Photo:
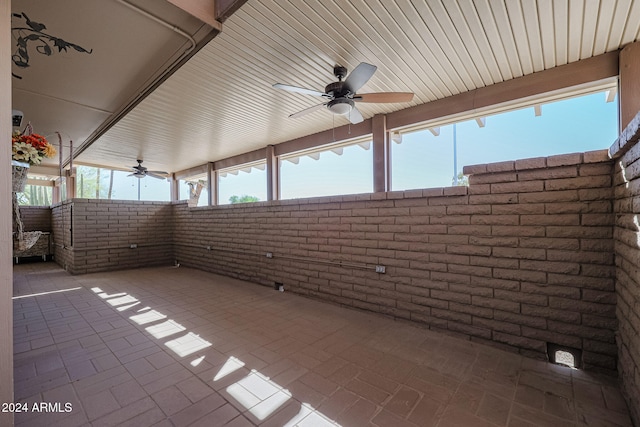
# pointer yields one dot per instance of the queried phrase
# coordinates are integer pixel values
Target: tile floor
(177, 347)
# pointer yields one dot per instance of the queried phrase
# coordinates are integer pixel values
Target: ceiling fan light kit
(342, 106)
(342, 94)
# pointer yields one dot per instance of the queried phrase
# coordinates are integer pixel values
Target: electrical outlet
(380, 269)
(133, 246)
(269, 254)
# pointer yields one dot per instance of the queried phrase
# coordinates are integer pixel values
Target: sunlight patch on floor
(46, 293)
(126, 299)
(255, 391)
(308, 416)
(187, 344)
(196, 362)
(105, 295)
(147, 317)
(231, 365)
(127, 307)
(164, 329)
(259, 394)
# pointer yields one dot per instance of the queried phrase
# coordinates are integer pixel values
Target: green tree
(243, 199)
(90, 183)
(463, 180)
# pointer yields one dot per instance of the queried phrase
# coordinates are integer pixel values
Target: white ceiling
(221, 103)
(75, 93)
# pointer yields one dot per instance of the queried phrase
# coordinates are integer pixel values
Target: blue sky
(422, 160)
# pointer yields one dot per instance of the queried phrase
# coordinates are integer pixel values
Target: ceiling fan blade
(382, 97)
(298, 89)
(355, 116)
(159, 172)
(359, 76)
(307, 111)
(154, 175)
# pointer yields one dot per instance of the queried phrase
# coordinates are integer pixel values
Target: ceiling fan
(341, 95)
(140, 171)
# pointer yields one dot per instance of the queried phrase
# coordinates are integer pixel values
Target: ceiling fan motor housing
(334, 89)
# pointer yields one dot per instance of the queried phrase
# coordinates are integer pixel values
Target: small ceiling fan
(341, 95)
(140, 171)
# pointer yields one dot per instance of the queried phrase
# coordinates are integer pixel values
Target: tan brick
(578, 183)
(474, 169)
(596, 156)
(518, 230)
(455, 191)
(495, 303)
(475, 288)
(550, 243)
(552, 173)
(582, 306)
(495, 219)
(596, 169)
(580, 257)
(449, 200)
(472, 310)
(520, 253)
(518, 209)
(471, 230)
(549, 197)
(549, 336)
(469, 209)
(501, 166)
(564, 159)
(432, 192)
(531, 163)
(517, 187)
(558, 219)
(598, 219)
(485, 199)
(521, 275)
(494, 325)
(521, 297)
(519, 319)
(550, 266)
(520, 341)
(494, 241)
(479, 189)
(491, 178)
(451, 296)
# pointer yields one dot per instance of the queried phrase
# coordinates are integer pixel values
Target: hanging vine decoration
(32, 31)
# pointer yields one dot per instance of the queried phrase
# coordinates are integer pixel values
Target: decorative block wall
(96, 235)
(522, 257)
(626, 152)
(35, 218)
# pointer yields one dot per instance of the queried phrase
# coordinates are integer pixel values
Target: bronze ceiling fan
(342, 95)
(140, 171)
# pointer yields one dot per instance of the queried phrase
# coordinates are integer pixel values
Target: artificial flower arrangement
(30, 148)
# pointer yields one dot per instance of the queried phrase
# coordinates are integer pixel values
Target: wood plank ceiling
(221, 102)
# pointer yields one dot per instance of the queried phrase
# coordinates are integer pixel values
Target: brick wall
(60, 227)
(98, 234)
(626, 152)
(522, 257)
(35, 218)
